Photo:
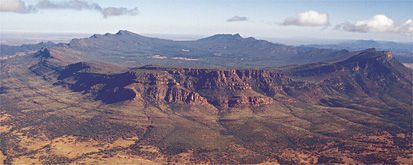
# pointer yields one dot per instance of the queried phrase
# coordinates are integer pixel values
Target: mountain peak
(124, 32)
(120, 33)
(43, 53)
(369, 61)
(95, 36)
(371, 54)
(225, 37)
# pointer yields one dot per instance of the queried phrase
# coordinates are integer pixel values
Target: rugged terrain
(62, 105)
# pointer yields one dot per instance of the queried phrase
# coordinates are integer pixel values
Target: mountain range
(126, 98)
(221, 50)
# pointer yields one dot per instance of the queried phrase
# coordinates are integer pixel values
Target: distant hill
(221, 50)
(402, 51)
(11, 50)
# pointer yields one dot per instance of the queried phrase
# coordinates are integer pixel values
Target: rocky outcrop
(222, 88)
(249, 100)
(161, 87)
(43, 53)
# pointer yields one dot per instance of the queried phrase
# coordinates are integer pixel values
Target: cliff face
(223, 88)
(220, 88)
(364, 74)
(162, 87)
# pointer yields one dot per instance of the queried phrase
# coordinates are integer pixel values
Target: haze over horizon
(315, 19)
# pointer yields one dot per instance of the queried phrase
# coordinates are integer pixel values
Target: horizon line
(201, 36)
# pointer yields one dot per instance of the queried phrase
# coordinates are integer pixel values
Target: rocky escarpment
(162, 87)
(221, 88)
(367, 73)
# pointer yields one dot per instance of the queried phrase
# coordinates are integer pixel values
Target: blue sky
(318, 19)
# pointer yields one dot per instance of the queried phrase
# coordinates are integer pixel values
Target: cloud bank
(378, 23)
(119, 11)
(237, 19)
(18, 6)
(308, 18)
(70, 4)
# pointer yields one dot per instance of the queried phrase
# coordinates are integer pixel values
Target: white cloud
(237, 18)
(185, 59)
(406, 27)
(69, 4)
(16, 6)
(118, 11)
(308, 18)
(379, 24)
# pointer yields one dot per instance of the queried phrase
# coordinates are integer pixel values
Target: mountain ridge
(351, 108)
(402, 51)
(221, 50)
(370, 64)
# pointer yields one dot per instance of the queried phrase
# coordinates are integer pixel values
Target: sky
(296, 19)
